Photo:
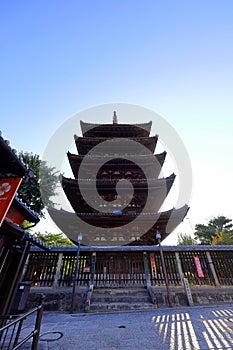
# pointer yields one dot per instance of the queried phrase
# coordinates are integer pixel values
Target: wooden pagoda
(126, 156)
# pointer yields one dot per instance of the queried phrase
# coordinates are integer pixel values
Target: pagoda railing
(124, 266)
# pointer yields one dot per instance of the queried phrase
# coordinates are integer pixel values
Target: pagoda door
(119, 270)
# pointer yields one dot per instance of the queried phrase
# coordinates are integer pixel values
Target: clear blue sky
(173, 57)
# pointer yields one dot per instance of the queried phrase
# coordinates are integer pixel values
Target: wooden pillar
(58, 269)
(93, 260)
(146, 268)
(148, 278)
(216, 281)
(184, 281)
(178, 261)
(25, 266)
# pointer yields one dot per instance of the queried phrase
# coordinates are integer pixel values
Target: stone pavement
(191, 328)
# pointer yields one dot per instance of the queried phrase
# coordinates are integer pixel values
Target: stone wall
(201, 295)
(57, 299)
(60, 299)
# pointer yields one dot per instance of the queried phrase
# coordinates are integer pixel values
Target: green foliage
(185, 239)
(222, 238)
(207, 234)
(54, 239)
(204, 233)
(26, 225)
(221, 223)
(37, 192)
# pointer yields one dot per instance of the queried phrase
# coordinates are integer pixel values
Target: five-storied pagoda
(118, 187)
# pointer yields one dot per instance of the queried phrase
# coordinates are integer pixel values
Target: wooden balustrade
(104, 267)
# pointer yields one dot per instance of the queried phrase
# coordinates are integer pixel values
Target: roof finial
(115, 121)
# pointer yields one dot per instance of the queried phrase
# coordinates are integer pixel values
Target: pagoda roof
(117, 164)
(158, 188)
(85, 144)
(109, 184)
(165, 222)
(115, 130)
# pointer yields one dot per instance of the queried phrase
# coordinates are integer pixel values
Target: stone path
(193, 328)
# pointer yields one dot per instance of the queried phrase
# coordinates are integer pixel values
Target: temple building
(118, 187)
(15, 242)
(116, 194)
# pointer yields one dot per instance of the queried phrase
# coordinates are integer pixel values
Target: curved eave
(110, 130)
(114, 221)
(85, 144)
(159, 191)
(71, 225)
(123, 219)
(73, 184)
(75, 161)
(166, 224)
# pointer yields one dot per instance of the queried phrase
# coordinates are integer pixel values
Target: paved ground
(164, 329)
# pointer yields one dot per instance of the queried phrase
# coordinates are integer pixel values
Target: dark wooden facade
(126, 154)
(14, 241)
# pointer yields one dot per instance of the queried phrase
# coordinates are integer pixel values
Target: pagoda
(118, 187)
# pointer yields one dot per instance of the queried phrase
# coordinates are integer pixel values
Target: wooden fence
(125, 266)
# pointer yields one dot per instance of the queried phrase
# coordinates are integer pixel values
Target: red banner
(8, 189)
(15, 216)
(198, 267)
(153, 265)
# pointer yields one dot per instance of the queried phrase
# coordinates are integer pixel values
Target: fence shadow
(180, 331)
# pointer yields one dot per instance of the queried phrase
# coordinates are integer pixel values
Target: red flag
(8, 189)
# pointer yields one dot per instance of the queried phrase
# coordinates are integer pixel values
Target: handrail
(10, 332)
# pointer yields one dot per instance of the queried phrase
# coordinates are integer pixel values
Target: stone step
(116, 299)
(118, 291)
(117, 306)
(104, 298)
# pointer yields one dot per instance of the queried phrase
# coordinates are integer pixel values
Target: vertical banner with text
(8, 189)
(198, 267)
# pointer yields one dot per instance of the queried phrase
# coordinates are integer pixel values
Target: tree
(37, 192)
(222, 238)
(207, 233)
(185, 239)
(204, 233)
(54, 239)
(221, 223)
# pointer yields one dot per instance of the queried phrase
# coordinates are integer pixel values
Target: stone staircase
(117, 299)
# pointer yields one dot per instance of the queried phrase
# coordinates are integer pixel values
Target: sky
(172, 57)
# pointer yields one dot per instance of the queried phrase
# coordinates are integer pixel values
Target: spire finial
(114, 118)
